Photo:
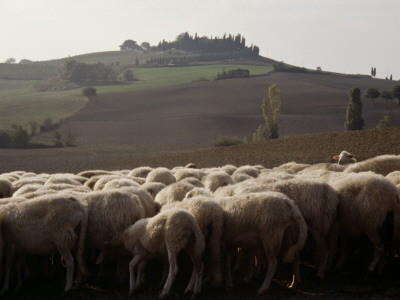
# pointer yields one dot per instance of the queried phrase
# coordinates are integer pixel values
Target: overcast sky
(348, 36)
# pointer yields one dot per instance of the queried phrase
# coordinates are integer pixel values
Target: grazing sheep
(27, 180)
(323, 166)
(5, 188)
(110, 212)
(228, 169)
(209, 215)
(318, 203)
(187, 172)
(162, 175)
(239, 177)
(66, 178)
(117, 183)
(165, 234)
(248, 170)
(150, 206)
(90, 173)
(42, 227)
(153, 188)
(173, 192)
(198, 192)
(260, 220)
(291, 167)
(103, 180)
(140, 172)
(382, 164)
(394, 177)
(366, 199)
(345, 158)
(215, 180)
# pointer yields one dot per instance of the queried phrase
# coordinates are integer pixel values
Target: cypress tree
(354, 120)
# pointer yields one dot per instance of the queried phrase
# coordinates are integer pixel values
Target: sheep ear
(350, 156)
(336, 157)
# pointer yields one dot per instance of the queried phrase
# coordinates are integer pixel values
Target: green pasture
(20, 103)
(157, 77)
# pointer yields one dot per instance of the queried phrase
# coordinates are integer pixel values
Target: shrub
(386, 122)
(48, 125)
(237, 73)
(224, 141)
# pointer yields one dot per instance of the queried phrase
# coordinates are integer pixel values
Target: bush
(48, 125)
(386, 122)
(237, 73)
(224, 141)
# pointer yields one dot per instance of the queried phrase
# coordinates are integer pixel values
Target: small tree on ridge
(354, 120)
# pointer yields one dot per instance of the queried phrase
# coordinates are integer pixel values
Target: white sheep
(165, 234)
(42, 227)
(209, 215)
(110, 212)
(188, 172)
(248, 170)
(117, 183)
(260, 220)
(345, 158)
(228, 169)
(382, 164)
(291, 167)
(153, 188)
(5, 188)
(173, 192)
(217, 179)
(90, 173)
(365, 201)
(162, 175)
(394, 177)
(140, 172)
(66, 178)
(318, 203)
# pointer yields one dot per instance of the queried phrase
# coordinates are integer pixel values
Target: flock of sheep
(219, 216)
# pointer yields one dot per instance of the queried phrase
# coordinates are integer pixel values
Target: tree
(388, 95)
(10, 60)
(33, 126)
(271, 110)
(89, 92)
(129, 45)
(354, 120)
(145, 46)
(19, 136)
(57, 139)
(127, 76)
(372, 94)
(386, 122)
(396, 92)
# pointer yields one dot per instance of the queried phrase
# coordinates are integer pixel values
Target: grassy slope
(20, 103)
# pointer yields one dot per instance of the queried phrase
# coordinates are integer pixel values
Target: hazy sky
(348, 36)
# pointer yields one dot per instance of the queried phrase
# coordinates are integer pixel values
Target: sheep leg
(140, 274)
(69, 261)
(345, 249)
(272, 266)
(296, 271)
(132, 265)
(173, 270)
(321, 258)
(378, 249)
(197, 274)
(10, 253)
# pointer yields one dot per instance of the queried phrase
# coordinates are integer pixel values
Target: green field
(20, 103)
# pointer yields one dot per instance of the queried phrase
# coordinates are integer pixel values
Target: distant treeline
(229, 43)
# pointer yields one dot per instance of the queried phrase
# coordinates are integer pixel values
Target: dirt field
(173, 126)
